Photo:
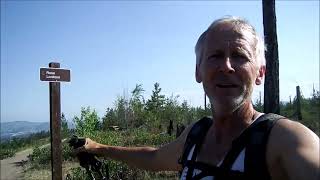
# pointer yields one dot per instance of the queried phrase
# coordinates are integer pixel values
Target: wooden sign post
(55, 75)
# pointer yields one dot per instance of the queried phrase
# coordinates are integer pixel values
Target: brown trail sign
(54, 75)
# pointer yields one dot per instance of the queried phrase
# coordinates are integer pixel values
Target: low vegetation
(10, 147)
(134, 121)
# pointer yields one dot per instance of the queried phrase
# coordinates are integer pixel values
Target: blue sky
(111, 46)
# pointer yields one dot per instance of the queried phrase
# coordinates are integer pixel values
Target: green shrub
(9, 148)
(40, 157)
(5, 153)
(134, 137)
(87, 123)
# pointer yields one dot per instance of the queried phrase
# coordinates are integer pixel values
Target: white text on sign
(51, 75)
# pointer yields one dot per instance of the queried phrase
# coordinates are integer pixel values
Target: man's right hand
(90, 146)
(149, 158)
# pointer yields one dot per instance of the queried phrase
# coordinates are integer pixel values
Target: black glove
(86, 160)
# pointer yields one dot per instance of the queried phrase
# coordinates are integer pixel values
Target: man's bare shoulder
(292, 151)
(288, 132)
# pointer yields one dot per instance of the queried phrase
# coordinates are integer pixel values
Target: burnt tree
(170, 128)
(271, 86)
(298, 103)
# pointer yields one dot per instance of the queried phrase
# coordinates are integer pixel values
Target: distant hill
(22, 128)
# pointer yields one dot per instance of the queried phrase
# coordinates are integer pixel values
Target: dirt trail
(11, 168)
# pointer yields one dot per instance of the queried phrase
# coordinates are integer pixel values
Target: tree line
(153, 114)
(160, 113)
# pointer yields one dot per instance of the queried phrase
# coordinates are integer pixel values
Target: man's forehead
(225, 33)
(228, 36)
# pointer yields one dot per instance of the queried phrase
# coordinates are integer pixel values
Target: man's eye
(239, 55)
(215, 56)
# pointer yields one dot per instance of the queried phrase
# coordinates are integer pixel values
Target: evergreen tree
(109, 119)
(136, 105)
(157, 100)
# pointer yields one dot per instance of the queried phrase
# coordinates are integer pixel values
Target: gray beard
(229, 107)
(233, 103)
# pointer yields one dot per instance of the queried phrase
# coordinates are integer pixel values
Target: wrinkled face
(229, 69)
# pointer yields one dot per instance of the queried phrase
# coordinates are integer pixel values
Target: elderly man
(237, 142)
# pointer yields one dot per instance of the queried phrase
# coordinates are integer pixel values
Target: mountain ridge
(13, 129)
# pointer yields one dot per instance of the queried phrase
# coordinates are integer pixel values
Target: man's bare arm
(297, 150)
(148, 158)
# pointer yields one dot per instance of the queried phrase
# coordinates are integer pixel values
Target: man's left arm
(298, 150)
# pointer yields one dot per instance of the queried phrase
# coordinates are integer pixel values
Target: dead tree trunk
(180, 129)
(298, 103)
(170, 128)
(271, 86)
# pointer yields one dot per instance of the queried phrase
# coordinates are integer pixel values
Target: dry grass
(44, 174)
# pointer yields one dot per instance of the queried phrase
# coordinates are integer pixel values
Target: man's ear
(198, 75)
(261, 73)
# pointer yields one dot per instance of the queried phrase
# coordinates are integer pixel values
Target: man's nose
(226, 66)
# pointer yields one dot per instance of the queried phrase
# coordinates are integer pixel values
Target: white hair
(239, 25)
